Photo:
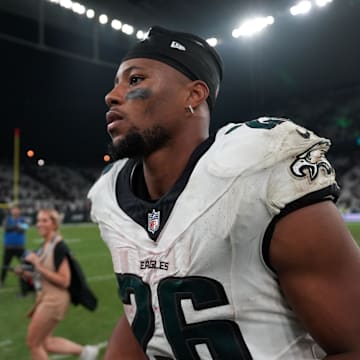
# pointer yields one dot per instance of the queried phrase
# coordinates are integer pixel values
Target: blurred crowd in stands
(335, 115)
(66, 188)
(59, 187)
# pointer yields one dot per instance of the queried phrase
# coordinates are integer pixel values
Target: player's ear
(198, 93)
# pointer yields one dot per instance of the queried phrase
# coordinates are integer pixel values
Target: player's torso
(13, 237)
(201, 290)
(202, 285)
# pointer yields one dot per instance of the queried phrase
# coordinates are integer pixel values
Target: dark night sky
(58, 101)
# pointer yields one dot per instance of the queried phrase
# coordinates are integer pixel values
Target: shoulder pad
(107, 168)
(258, 144)
(106, 178)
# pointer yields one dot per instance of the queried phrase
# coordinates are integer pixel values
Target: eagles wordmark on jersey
(193, 267)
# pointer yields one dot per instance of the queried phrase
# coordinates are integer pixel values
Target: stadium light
(103, 19)
(78, 8)
(67, 4)
(322, 3)
(30, 153)
(55, 1)
(107, 158)
(41, 162)
(212, 41)
(127, 29)
(140, 35)
(90, 13)
(303, 7)
(253, 26)
(146, 35)
(116, 24)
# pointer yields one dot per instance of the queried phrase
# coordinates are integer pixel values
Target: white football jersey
(193, 267)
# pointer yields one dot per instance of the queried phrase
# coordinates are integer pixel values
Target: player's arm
(18, 270)
(61, 277)
(318, 265)
(123, 344)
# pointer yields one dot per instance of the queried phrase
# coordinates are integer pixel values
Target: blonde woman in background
(51, 278)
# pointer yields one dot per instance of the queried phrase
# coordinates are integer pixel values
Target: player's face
(45, 224)
(15, 212)
(145, 107)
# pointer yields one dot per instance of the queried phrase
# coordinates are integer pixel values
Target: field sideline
(80, 325)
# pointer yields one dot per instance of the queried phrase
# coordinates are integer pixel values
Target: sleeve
(60, 252)
(102, 192)
(304, 178)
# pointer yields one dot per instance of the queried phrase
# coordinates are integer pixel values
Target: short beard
(138, 144)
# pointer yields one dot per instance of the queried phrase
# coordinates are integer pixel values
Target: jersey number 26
(223, 338)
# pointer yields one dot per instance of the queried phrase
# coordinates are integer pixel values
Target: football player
(224, 247)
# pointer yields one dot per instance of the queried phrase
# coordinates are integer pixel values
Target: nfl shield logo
(153, 221)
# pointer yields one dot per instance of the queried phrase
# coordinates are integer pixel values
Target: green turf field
(79, 325)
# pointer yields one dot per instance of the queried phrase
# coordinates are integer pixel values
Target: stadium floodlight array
(323, 2)
(116, 24)
(253, 26)
(67, 4)
(140, 34)
(247, 29)
(78, 8)
(90, 13)
(212, 41)
(302, 8)
(127, 29)
(103, 19)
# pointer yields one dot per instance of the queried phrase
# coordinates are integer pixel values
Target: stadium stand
(335, 115)
(51, 186)
(349, 200)
(65, 188)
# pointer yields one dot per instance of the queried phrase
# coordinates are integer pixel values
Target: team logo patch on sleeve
(309, 163)
(153, 221)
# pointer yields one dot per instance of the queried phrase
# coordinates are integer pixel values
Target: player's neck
(163, 168)
(48, 237)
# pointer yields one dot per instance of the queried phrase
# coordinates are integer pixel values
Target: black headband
(187, 53)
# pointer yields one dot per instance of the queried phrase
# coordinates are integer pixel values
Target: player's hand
(33, 259)
(18, 270)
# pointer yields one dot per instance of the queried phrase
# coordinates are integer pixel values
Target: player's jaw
(128, 114)
(134, 131)
(138, 143)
